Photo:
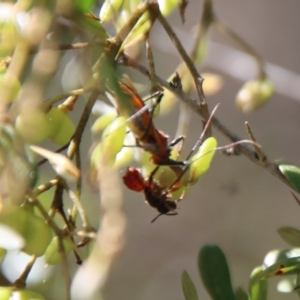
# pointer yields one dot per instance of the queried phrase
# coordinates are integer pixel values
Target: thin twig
(196, 76)
(78, 185)
(60, 236)
(262, 157)
(20, 283)
(49, 102)
(76, 201)
(75, 142)
(133, 19)
(154, 86)
(204, 24)
(45, 187)
(245, 150)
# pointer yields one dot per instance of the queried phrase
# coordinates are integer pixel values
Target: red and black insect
(156, 196)
(129, 103)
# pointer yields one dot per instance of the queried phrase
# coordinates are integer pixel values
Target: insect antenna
(167, 214)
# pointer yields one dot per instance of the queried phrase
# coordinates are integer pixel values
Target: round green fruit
(52, 254)
(254, 94)
(5, 292)
(55, 117)
(65, 132)
(112, 140)
(24, 294)
(37, 236)
(32, 125)
(12, 223)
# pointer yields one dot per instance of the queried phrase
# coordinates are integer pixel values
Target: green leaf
(258, 288)
(37, 235)
(254, 94)
(188, 287)
(240, 294)
(278, 255)
(103, 121)
(140, 29)
(200, 162)
(292, 174)
(214, 272)
(167, 6)
(94, 26)
(286, 266)
(290, 235)
(52, 255)
(108, 9)
(84, 5)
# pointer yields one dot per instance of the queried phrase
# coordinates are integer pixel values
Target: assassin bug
(154, 194)
(158, 196)
(130, 105)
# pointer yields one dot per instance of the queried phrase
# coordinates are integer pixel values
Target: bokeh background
(236, 205)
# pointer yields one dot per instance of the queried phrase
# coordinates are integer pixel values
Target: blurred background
(236, 205)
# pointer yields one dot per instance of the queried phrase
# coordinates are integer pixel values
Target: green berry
(254, 94)
(32, 125)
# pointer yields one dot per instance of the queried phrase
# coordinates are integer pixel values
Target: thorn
(261, 156)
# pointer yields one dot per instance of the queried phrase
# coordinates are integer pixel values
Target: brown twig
(20, 283)
(196, 76)
(154, 85)
(75, 142)
(262, 157)
(126, 29)
(245, 150)
(60, 236)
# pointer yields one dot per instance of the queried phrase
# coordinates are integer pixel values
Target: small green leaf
(278, 255)
(200, 162)
(167, 6)
(108, 9)
(102, 122)
(258, 288)
(140, 29)
(290, 235)
(52, 255)
(112, 139)
(37, 235)
(214, 272)
(287, 266)
(254, 94)
(84, 5)
(188, 287)
(292, 174)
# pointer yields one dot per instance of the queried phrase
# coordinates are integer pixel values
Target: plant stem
(20, 283)
(244, 149)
